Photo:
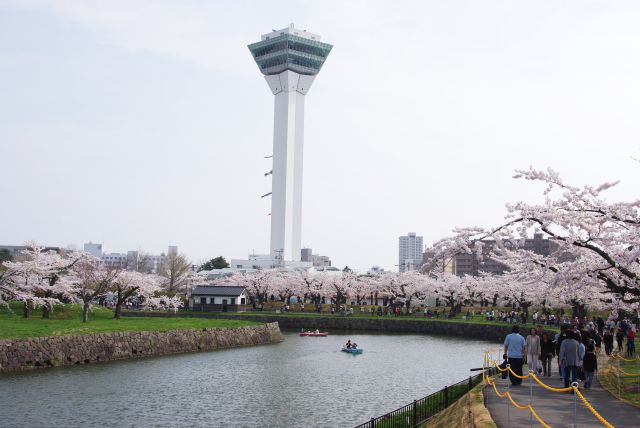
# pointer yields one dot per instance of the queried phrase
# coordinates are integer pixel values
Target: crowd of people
(575, 347)
(519, 316)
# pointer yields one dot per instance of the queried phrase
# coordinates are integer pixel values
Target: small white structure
(219, 298)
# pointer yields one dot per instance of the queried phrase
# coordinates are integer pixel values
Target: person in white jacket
(533, 350)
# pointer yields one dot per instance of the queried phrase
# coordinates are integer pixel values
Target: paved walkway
(556, 408)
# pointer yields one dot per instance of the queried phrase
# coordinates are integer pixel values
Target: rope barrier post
(506, 403)
(575, 403)
(530, 397)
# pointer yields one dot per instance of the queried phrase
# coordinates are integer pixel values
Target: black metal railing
(419, 411)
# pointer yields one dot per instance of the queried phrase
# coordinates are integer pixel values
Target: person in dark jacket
(558, 340)
(589, 366)
(547, 352)
(608, 341)
(620, 339)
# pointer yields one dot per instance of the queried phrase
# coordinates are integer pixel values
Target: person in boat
(354, 345)
(348, 344)
(317, 331)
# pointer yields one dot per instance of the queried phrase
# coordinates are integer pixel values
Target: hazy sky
(141, 124)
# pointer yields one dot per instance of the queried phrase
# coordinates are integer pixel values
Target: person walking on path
(608, 341)
(547, 352)
(620, 339)
(589, 366)
(569, 359)
(514, 347)
(559, 338)
(631, 342)
(533, 350)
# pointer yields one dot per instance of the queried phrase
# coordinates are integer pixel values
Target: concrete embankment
(53, 351)
(336, 322)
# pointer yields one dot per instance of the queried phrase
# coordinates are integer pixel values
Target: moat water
(301, 382)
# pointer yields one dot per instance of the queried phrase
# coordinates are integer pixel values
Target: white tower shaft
(289, 89)
(289, 59)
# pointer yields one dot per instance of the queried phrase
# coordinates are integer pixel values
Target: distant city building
(472, 264)
(410, 252)
(93, 249)
(429, 263)
(306, 255)
(15, 251)
(131, 260)
(265, 261)
(375, 270)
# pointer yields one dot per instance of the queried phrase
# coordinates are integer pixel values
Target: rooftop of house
(217, 290)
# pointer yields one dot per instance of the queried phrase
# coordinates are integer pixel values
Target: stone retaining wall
(336, 322)
(53, 351)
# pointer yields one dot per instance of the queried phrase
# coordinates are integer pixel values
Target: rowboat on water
(313, 334)
(352, 350)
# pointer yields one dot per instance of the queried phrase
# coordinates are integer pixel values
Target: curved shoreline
(56, 351)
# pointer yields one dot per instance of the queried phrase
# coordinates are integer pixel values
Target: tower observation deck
(290, 59)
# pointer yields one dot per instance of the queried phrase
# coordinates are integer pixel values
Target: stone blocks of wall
(54, 351)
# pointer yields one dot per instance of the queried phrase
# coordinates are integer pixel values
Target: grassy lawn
(469, 411)
(627, 386)
(67, 320)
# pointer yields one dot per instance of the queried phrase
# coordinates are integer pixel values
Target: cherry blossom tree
(258, 284)
(597, 260)
(37, 279)
(91, 279)
(127, 284)
(338, 287)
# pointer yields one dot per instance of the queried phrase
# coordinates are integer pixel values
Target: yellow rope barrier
(519, 406)
(590, 407)
(488, 380)
(545, 386)
(623, 372)
(629, 360)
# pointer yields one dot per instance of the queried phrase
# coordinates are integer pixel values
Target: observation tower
(290, 59)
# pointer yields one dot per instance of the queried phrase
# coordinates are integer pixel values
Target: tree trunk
(85, 312)
(46, 310)
(26, 311)
(119, 301)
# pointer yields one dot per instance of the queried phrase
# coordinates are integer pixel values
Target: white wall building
(290, 59)
(132, 260)
(265, 261)
(410, 252)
